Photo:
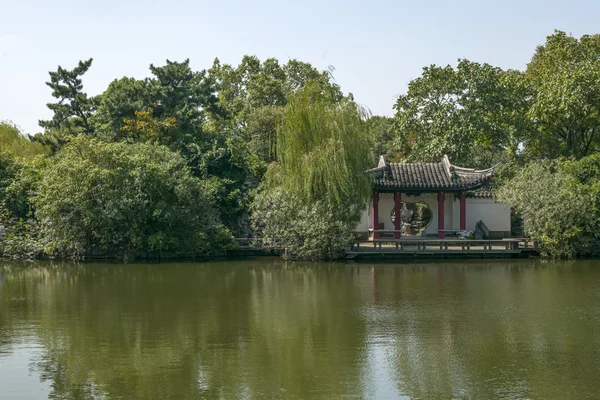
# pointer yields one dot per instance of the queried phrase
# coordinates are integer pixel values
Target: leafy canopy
(323, 148)
(14, 143)
(314, 194)
(470, 113)
(74, 108)
(565, 76)
(560, 204)
(122, 199)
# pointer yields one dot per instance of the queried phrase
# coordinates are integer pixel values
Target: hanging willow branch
(322, 148)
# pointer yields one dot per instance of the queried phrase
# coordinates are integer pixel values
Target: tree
(560, 204)
(21, 164)
(473, 113)
(312, 196)
(120, 101)
(254, 94)
(565, 76)
(186, 96)
(17, 144)
(299, 230)
(323, 148)
(381, 130)
(180, 99)
(125, 200)
(74, 108)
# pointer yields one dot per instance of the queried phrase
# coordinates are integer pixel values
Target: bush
(15, 143)
(119, 199)
(559, 203)
(303, 231)
(18, 238)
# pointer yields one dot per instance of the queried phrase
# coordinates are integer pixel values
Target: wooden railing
(448, 245)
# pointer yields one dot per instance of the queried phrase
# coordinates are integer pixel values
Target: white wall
(494, 215)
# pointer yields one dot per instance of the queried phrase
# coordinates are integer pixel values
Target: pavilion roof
(424, 177)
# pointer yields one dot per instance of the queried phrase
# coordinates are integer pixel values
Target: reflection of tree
(489, 330)
(273, 330)
(188, 330)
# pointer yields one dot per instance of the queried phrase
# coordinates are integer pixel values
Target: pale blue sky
(376, 47)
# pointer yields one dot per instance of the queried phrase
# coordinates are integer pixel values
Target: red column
(441, 215)
(398, 213)
(375, 215)
(463, 210)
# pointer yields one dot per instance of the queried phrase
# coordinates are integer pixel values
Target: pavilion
(455, 196)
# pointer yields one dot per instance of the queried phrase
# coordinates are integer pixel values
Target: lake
(267, 329)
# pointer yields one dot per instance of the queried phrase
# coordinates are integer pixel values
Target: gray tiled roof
(428, 176)
(481, 194)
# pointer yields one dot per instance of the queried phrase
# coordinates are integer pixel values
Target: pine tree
(74, 108)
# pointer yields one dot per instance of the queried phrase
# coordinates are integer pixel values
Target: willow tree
(313, 195)
(323, 148)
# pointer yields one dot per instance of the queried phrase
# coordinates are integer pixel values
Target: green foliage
(254, 93)
(175, 107)
(303, 231)
(381, 131)
(186, 96)
(323, 149)
(180, 100)
(232, 169)
(120, 101)
(15, 143)
(21, 177)
(74, 108)
(18, 234)
(559, 202)
(260, 132)
(470, 113)
(313, 195)
(564, 74)
(18, 238)
(124, 200)
(479, 114)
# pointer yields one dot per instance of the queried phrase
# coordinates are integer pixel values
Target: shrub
(18, 238)
(123, 199)
(302, 231)
(559, 204)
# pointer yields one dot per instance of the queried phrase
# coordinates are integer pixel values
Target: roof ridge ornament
(382, 165)
(453, 170)
(447, 166)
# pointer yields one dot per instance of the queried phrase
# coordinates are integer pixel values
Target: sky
(376, 47)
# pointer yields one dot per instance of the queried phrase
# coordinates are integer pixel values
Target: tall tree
(120, 101)
(323, 147)
(74, 108)
(121, 199)
(469, 113)
(565, 76)
(185, 95)
(314, 194)
(254, 94)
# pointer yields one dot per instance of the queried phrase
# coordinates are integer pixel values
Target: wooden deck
(441, 248)
(417, 247)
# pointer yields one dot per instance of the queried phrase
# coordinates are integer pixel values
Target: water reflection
(267, 329)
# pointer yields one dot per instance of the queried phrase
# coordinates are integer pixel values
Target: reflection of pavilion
(433, 184)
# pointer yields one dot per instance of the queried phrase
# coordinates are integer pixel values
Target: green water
(264, 329)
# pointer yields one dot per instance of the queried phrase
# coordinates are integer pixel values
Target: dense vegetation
(560, 201)
(183, 161)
